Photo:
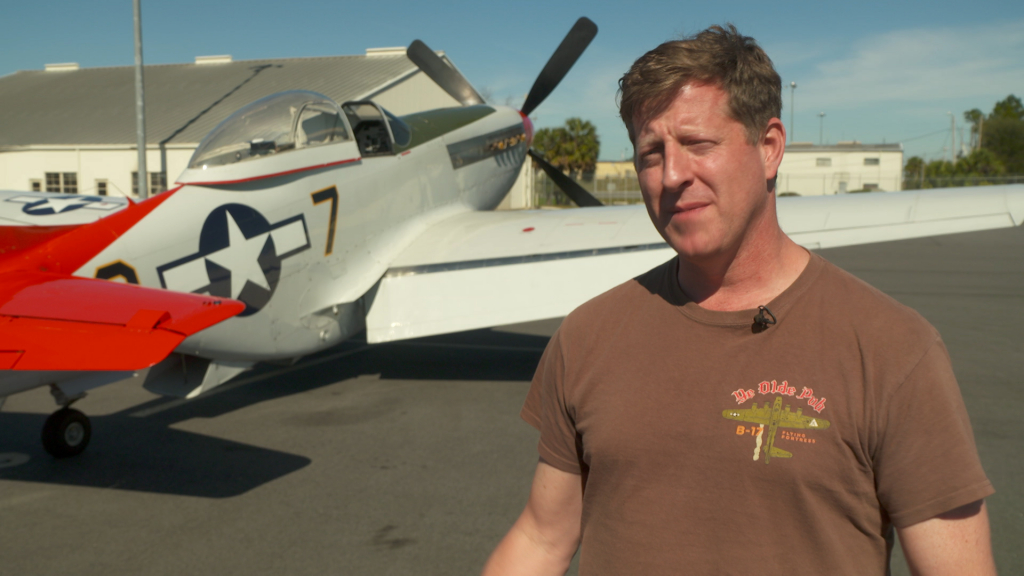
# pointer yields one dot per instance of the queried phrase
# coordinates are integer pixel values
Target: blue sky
(881, 71)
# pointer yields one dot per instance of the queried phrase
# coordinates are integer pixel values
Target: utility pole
(140, 106)
(821, 128)
(792, 127)
(952, 138)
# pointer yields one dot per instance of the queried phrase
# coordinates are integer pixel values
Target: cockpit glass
(399, 129)
(272, 125)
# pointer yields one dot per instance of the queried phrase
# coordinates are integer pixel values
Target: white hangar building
(70, 129)
(812, 170)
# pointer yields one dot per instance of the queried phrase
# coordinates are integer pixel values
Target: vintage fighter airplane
(774, 417)
(300, 222)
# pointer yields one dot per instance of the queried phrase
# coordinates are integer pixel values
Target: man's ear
(773, 145)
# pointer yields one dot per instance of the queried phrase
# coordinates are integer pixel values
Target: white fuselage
(383, 204)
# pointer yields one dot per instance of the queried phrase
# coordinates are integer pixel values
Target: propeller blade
(573, 190)
(445, 76)
(575, 42)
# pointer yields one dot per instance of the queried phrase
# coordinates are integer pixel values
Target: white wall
(520, 196)
(115, 165)
(800, 173)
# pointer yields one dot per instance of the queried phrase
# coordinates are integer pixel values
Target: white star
(240, 257)
(59, 205)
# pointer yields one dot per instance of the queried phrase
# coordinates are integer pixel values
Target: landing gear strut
(67, 431)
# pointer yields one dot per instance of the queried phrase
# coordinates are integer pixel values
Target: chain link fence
(610, 190)
(925, 182)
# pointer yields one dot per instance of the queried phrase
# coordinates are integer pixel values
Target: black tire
(66, 433)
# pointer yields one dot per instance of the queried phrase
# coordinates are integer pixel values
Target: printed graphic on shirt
(775, 417)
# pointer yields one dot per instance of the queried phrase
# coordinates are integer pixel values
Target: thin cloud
(922, 66)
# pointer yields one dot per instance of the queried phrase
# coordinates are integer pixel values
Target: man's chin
(693, 247)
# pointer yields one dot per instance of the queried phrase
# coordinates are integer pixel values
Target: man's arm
(545, 537)
(955, 542)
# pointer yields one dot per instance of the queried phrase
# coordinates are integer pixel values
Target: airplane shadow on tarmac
(137, 449)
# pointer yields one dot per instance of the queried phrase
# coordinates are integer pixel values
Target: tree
(1004, 137)
(975, 117)
(913, 173)
(979, 163)
(572, 148)
(1010, 108)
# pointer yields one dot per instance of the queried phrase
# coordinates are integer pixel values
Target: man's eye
(649, 158)
(701, 146)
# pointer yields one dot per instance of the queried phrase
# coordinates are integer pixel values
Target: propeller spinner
(567, 53)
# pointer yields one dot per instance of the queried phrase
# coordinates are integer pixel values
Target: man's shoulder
(868, 309)
(622, 300)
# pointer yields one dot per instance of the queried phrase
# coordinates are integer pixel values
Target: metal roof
(96, 106)
(843, 147)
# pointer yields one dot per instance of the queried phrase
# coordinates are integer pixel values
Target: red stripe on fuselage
(275, 175)
(68, 251)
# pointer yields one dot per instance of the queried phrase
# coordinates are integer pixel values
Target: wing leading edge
(482, 269)
(60, 322)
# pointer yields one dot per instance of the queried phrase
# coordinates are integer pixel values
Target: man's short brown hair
(718, 56)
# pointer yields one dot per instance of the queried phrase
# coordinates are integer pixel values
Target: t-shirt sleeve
(926, 462)
(546, 410)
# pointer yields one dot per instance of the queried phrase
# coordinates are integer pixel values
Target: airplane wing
(753, 414)
(792, 420)
(54, 209)
(60, 322)
(482, 269)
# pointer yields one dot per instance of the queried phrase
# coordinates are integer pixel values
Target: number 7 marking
(319, 197)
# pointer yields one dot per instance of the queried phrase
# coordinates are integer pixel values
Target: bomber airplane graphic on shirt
(774, 417)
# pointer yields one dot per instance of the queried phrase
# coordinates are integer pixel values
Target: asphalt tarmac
(410, 458)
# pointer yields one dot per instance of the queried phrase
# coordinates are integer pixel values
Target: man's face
(704, 184)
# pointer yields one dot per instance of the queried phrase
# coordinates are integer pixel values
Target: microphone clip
(763, 319)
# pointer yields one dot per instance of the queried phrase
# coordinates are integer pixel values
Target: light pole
(140, 106)
(952, 137)
(821, 128)
(792, 130)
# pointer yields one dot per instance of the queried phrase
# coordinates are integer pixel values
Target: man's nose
(678, 172)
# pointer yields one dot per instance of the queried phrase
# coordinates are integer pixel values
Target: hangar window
(62, 182)
(157, 183)
(823, 162)
(872, 161)
(271, 125)
(36, 185)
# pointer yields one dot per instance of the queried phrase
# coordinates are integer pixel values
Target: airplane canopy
(278, 123)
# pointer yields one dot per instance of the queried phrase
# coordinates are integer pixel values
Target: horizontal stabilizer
(780, 453)
(61, 322)
(54, 208)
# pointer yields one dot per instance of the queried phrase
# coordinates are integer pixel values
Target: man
(746, 408)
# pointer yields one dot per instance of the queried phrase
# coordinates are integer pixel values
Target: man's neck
(755, 273)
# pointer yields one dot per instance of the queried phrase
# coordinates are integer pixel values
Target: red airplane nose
(528, 126)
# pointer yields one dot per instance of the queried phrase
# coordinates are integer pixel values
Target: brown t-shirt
(708, 447)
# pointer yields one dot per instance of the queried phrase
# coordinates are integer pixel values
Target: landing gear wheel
(66, 433)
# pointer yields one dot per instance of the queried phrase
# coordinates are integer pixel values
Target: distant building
(71, 129)
(811, 170)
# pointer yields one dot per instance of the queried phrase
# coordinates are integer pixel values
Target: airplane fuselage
(332, 233)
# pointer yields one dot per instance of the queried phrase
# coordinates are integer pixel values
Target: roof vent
(221, 59)
(393, 51)
(63, 67)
